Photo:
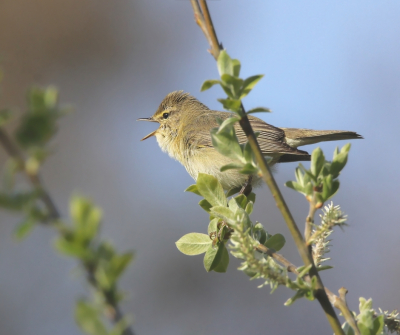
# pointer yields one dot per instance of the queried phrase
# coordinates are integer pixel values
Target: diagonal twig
(208, 28)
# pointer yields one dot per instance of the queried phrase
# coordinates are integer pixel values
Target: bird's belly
(209, 161)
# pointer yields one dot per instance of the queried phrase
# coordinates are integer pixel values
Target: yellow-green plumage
(184, 133)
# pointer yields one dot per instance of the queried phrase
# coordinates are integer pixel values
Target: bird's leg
(247, 188)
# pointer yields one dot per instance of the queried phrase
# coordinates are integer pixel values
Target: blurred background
(327, 65)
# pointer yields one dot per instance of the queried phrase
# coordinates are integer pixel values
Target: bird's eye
(165, 115)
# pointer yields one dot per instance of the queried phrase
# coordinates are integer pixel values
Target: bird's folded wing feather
(270, 139)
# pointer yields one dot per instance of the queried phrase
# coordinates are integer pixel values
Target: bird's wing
(271, 139)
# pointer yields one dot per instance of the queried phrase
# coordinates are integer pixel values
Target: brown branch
(337, 301)
(13, 151)
(270, 181)
(198, 17)
(213, 40)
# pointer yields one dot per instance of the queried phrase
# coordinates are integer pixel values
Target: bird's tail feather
(297, 137)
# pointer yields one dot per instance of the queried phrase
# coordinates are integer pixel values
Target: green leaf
(299, 294)
(120, 327)
(227, 143)
(275, 242)
(231, 166)
(308, 189)
(241, 200)
(72, 249)
(249, 207)
(248, 153)
(233, 191)
(224, 213)
(317, 161)
(259, 110)
(208, 84)
(295, 186)
(24, 229)
(252, 197)
(379, 323)
(233, 205)
(243, 218)
(234, 84)
(299, 176)
(88, 319)
(193, 244)
(367, 323)
(249, 84)
(86, 217)
(308, 174)
(228, 90)
(213, 226)
(50, 97)
(303, 270)
(205, 205)
(348, 330)
(210, 188)
(324, 267)
(339, 160)
(213, 256)
(119, 263)
(259, 233)
(18, 201)
(249, 169)
(332, 189)
(228, 122)
(222, 266)
(193, 189)
(225, 63)
(231, 104)
(236, 67)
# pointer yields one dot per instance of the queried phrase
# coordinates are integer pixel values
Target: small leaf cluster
(225, 141)
(369, 322)
(101, 262)
(39, 124)
(24, 202)
(320, 183)
(88, 317)
(35, 129)
(260, 266)
(235, 87)
(224, 214)
(230, 221)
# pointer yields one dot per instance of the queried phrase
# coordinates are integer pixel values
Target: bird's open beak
(149, 119)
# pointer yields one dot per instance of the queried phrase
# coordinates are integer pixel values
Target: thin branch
(280, 202)
(13, 151)
(198, 17)
(337, 301)
(215, 46)
(310, 221)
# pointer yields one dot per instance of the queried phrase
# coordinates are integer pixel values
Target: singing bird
(184, 133)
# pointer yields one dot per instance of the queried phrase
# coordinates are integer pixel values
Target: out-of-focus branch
(13, 151)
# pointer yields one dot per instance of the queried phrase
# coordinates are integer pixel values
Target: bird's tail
(297, 137)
